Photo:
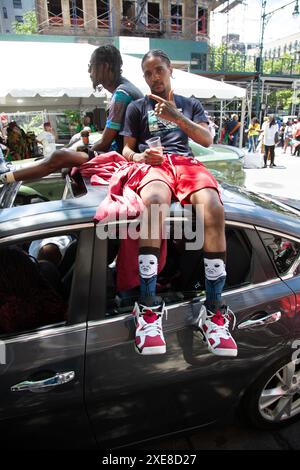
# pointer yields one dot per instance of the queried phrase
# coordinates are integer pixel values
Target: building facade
(134, 26)
(286, 45)
(11, 11)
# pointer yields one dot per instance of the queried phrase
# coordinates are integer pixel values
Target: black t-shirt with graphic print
(141, 123)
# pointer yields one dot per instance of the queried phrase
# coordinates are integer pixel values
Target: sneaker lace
(154, 327)
(222, 331)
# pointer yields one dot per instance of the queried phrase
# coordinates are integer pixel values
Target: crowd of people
(16, 144)
(263, 138)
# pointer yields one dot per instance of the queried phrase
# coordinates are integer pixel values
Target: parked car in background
(78, 383)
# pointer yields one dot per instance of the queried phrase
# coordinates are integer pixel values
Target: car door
(131, 397)
(42, 370)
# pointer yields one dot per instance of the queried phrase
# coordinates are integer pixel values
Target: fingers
(157, 98)
(159, 108)
(171, 96)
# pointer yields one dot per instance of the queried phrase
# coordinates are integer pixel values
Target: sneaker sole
(151, 350)
(223, 352)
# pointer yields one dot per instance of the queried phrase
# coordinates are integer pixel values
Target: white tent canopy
(51, 69)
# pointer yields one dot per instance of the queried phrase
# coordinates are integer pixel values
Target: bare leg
(58, 160)
(157, 193)
(214, 224)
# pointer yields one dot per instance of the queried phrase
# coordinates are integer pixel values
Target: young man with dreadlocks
(175, 173)
(105, 69)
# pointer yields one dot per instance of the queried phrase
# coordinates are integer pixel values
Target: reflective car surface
(78, 383)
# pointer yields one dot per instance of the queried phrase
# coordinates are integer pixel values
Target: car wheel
(273, 400)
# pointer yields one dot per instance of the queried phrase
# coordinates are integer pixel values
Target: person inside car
(105, 70)
(27, 298)
(175, 174)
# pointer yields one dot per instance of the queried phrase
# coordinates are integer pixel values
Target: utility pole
(259, 64)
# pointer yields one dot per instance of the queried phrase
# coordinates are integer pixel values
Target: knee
(156, 199)
(158, 194)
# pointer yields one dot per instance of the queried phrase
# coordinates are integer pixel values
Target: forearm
(101, 146)
(129, 153)
(196, 132)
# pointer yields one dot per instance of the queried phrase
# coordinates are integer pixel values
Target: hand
(150, 156)
(166, 109)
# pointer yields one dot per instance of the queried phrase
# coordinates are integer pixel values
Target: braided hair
(111, 55)
(157, 53)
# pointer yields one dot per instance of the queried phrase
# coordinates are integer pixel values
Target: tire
(284, 377)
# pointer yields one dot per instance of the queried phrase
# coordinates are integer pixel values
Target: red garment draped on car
(121, 203)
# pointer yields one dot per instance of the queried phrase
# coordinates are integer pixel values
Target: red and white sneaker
(149, 338)
(215, 328)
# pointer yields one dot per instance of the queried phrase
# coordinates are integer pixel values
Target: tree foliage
(28, 26)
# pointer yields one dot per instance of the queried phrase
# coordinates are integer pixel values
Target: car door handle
(34, 386)
(267, 320)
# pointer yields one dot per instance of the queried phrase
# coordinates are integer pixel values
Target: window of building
(202, 20)
(176, 17)
(76, 13)
(17, 3)
(128, 9)
(282, 251)
(55, 13)
(19, 19)
(103, 14)
(5, 13)
(153, 18)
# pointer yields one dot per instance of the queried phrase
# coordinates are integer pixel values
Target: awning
(51, 69)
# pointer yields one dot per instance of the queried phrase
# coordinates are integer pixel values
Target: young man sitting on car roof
(175, 173)
(105, 70)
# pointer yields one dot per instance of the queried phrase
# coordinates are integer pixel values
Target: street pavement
(282, 181)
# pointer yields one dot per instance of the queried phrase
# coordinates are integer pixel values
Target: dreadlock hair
(111, 55)
(157, 53)
(27, 300)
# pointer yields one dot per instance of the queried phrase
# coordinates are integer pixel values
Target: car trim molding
(44, 231)
(47, 331)
(280, 234)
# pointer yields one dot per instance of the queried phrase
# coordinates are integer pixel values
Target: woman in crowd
(253, 133)
(270, 129)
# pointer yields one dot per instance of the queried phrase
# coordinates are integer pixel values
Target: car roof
(240, 206)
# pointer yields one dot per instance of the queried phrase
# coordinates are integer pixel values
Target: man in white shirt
(47, 139)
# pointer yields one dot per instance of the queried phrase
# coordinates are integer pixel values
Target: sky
(245, 20)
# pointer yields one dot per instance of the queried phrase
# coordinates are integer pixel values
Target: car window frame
(294, 267)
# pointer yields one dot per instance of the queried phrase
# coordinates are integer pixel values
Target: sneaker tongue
(218, 319)
(149, 316)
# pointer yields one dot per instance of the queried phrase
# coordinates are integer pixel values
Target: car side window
(283, 252)
(182, 277)
(36, 279)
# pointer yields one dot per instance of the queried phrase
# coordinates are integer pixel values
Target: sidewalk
(282, 180)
